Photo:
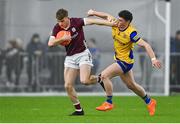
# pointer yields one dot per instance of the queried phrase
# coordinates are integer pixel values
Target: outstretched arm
(92, 21)
(155, 62)
(102, 15)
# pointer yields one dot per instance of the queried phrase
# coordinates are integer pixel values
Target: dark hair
(61, 13)
(125, 14)
(35, 35)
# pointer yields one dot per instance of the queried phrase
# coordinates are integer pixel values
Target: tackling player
(125, 36)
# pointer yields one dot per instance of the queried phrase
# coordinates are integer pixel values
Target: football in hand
(61, 34)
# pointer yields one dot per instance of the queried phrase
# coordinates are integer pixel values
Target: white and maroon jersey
(77, 44)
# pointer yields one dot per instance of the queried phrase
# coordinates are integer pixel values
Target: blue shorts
(124, 66)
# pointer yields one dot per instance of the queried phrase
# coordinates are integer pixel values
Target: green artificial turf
(56, 109)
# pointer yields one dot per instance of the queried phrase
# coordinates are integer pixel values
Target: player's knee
(104, 76)
(68, 86)
(84, 81)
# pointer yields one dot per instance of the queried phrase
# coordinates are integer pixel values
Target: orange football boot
(105, 107)
(152, 107)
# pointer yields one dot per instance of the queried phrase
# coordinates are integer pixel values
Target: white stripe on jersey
(84, 21)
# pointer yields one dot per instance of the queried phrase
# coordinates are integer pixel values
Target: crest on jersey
(73, 29)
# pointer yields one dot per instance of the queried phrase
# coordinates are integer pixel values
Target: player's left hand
(156, 63)
(115, 22)
(90, 12)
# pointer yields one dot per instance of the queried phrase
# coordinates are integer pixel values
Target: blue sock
(146, 99)
(109, 99)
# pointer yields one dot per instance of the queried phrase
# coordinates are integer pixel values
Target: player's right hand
(156, 63)
(66, 38)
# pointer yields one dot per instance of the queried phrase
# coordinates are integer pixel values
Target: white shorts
(76, 60)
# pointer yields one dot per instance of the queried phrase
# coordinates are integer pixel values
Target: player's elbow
(145, 45)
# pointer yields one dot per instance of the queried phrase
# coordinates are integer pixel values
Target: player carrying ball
(78, 58)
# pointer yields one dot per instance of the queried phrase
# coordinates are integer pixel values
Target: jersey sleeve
(55, 30)
(80, 22)
(134, 36)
